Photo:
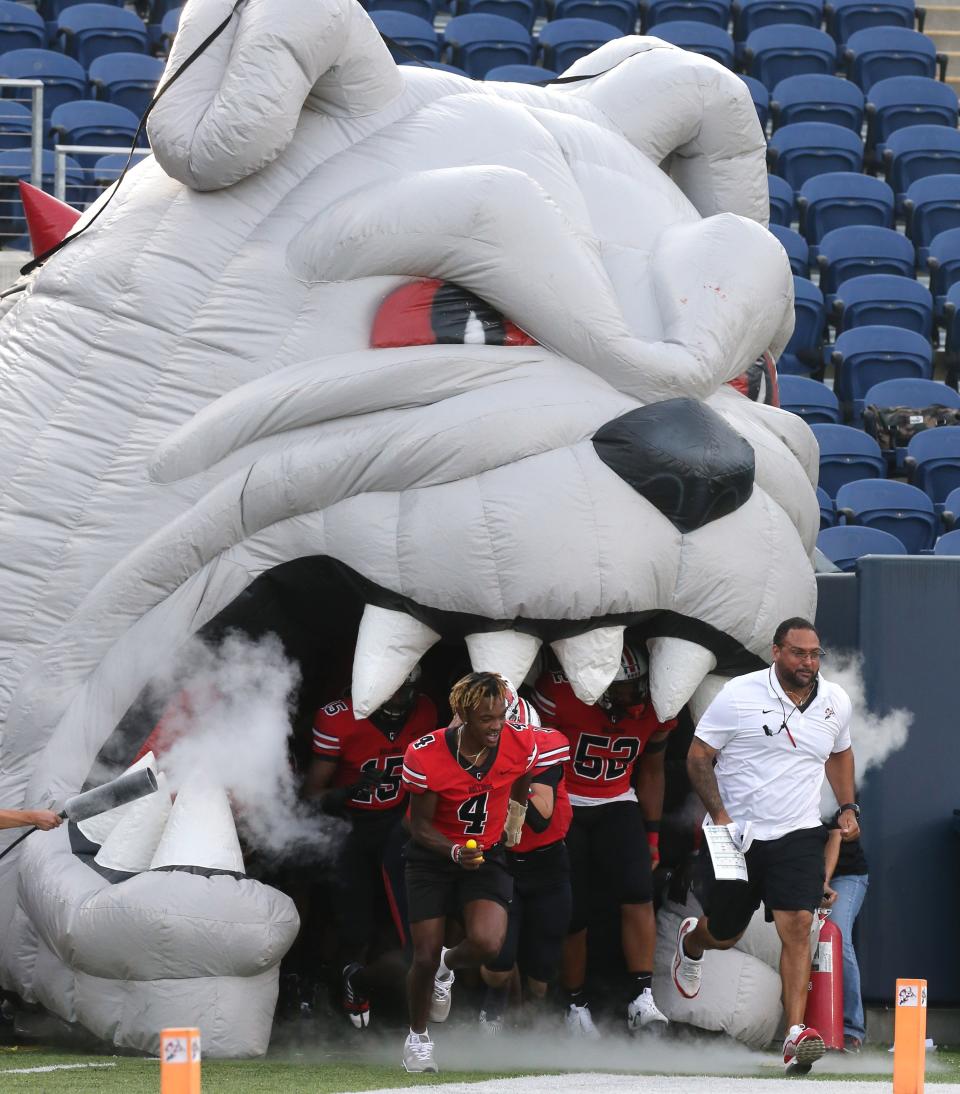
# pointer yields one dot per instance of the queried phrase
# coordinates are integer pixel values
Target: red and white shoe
(687, 971)
(801, 1049)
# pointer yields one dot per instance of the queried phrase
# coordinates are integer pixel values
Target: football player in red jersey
(540, 912)
(615, 780)
(356, 773)
(468, 783)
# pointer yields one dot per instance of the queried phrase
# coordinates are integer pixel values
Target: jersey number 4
(621, 753)
(473, 813)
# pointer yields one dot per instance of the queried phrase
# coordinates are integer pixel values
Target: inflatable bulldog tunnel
(467, 347)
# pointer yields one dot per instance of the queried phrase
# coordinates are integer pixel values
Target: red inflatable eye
(759, 382)
(427, 313)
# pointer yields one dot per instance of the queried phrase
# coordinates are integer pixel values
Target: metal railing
(36, 124)
(76, 180)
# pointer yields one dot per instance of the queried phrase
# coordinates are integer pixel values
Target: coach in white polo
(772, 734)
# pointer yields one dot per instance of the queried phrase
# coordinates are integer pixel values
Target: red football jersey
(471, 804)
(552, 749)
(358, 747)
(603, 752)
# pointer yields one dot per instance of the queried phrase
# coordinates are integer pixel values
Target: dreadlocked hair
(470, 691)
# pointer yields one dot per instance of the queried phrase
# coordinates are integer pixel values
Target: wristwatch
(850, 805)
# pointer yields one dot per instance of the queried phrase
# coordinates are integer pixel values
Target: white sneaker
(802, 1048)
(687, 971)
(418, 1053)
(492, 1026)
(442, 994)
(580, 1022)
(644, 1012)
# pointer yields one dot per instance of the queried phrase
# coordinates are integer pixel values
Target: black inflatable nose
(682, 457)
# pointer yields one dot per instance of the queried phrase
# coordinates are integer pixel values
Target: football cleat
(580, 1022)
(442, 995)
(644, 1013)
(687, 971)
(801, 1049)
(418, 1053)
(491, 1025)
(356, 1005)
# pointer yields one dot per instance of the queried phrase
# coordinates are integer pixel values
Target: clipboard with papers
(729, 862)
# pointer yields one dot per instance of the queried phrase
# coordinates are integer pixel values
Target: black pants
(361, 882)
(540, 912)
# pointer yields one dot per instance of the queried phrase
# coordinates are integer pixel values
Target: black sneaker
(852, 1045)
(355, 1004)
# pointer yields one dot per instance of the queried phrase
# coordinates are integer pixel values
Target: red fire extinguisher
(825, 1000)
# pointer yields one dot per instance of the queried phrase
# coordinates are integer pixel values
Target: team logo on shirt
(829, 713)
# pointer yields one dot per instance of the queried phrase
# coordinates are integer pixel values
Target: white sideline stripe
(50, 1067)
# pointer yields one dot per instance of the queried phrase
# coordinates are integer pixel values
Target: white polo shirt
(774, 781)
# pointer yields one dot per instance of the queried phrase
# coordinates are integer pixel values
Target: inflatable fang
(535, 443)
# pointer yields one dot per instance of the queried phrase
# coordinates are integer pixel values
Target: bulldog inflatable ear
(236, 107)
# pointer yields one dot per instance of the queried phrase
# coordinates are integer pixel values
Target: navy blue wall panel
(909, 630)
(837, 617)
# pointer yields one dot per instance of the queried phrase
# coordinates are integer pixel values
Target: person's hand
(44, 819)
(470, 858)
(829, 897)
(849, 825)
(742, 839)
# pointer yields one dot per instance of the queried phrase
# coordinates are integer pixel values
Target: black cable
(6, 851)
(208, 41)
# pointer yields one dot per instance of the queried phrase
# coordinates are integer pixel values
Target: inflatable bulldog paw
(468, 346)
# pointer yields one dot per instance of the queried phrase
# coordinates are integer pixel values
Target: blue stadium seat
(16, 125)
(904, 101)
(88, 31)
(846, 17)
(866, 356)
(943, 260)
(50, 9)
(948, 544)
(842, 198)
(20, 27)
(159, 8)
(809, 399)
(168, 29)
(912, 392)
(751, 15)
(802, 353)
(919, 152)
(933, 462)
(761, 99)
(886, 299)
(521, 74)
(846, 543)
(126, 79)
(715, 12)
(64, 79)
(413, 33)
(861, 249)
(622, 14)
(951, 320)
(440, 66)
(521, 11)
(812, 98)
(847, 454)
(564, 41)
(700, 38)
(828, 512)
(894, 507)
(804, 150)
(782, 201)
(88, 122)
(951, 510)
(932, 206)
(882, 52)
(771, 54)
(796, 247)
(108, 169)
(17, 164)
(423, 9)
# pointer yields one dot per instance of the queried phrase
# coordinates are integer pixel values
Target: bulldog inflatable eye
(759, 381)
(432, 312)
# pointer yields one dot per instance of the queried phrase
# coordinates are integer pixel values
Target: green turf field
(124, 1075)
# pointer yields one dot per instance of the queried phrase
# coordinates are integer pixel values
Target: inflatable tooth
(466, 348)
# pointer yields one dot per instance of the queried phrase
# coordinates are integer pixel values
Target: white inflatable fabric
(190, 398)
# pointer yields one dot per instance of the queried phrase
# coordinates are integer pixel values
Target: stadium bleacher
(852, 95)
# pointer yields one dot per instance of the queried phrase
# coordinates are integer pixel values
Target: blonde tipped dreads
(470, 691)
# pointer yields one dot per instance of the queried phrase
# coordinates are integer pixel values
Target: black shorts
(539, 914)
(785, 874)
(437, 886)
(608, 846)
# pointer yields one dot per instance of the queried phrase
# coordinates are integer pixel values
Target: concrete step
(942, 18)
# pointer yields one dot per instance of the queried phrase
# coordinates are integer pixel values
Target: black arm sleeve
(551, 777)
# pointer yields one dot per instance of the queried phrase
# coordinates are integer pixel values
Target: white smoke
(875, 737)
(232, 724)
